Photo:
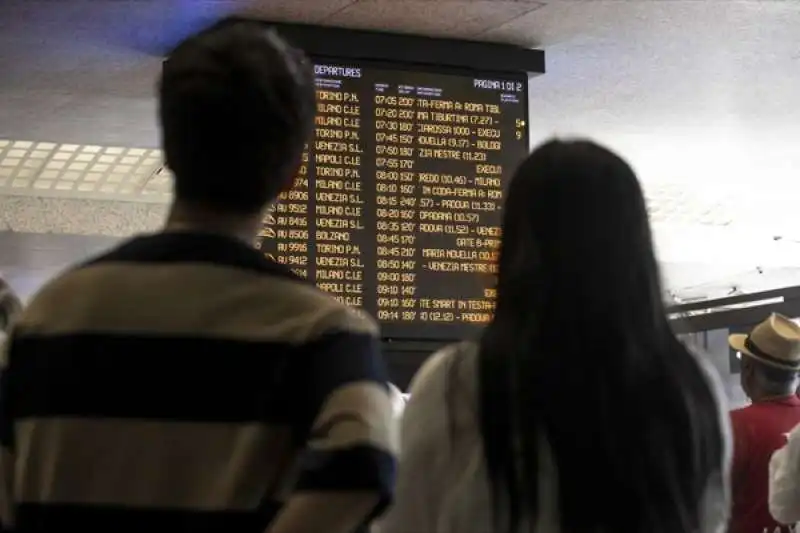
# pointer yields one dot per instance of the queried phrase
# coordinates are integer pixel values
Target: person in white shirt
(784, 481)
(577, 410)
(10, 307)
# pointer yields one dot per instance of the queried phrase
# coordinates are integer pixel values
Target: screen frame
(436, 333)
(382, 46)
(417, 53)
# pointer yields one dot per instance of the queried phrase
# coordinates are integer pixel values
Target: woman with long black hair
(578, 410)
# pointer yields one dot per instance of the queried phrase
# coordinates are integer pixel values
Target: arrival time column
(396, 201)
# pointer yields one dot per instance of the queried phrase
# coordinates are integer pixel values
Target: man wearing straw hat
(770, 356)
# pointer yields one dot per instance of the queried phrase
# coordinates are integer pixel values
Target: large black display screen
(396, 208)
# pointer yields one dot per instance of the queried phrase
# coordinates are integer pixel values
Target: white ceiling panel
(68, 170)
(639, 22)
(464, 19)
(701, 96)
(304, 11)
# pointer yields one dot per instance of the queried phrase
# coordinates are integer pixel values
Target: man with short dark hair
(182, 381)
(770, 362)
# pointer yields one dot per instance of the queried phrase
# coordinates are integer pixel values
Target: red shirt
(758, 431)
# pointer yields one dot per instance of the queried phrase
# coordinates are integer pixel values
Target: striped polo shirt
(184, 382)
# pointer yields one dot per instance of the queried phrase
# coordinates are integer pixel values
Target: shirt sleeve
(352, 438)
(784, 481)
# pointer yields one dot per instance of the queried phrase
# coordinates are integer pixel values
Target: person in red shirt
(770, 357)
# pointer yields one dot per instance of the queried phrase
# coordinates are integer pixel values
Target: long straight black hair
(580, 352)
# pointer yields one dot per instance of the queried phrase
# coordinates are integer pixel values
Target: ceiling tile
(451, 18)
(304, 11)
(554, 23)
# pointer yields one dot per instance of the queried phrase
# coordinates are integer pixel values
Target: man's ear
(289, 185)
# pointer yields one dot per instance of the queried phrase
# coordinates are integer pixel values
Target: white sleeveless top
(443, 484)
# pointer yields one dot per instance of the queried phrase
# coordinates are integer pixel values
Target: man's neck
(193, 218)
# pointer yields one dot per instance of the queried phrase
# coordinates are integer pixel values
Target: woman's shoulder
(717, 497)
(457, 359)
(713, 381)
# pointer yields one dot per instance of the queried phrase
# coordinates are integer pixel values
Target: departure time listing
(396, 206)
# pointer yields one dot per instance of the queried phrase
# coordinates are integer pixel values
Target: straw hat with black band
(774, 342)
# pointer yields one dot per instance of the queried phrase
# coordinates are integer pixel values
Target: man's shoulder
(739, 415)
(743, 411)
(745, 414)
(70, 282)
(760, 417)
(745, 429)
(259, 305)
(58, 289)
(325, 314)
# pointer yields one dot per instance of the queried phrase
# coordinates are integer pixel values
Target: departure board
(396, 208)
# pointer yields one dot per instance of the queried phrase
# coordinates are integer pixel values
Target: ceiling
(701, 95)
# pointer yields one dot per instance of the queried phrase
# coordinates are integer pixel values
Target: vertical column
(396, 200)
(338, 196)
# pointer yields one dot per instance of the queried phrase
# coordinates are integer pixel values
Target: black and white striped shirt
(183, 382)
